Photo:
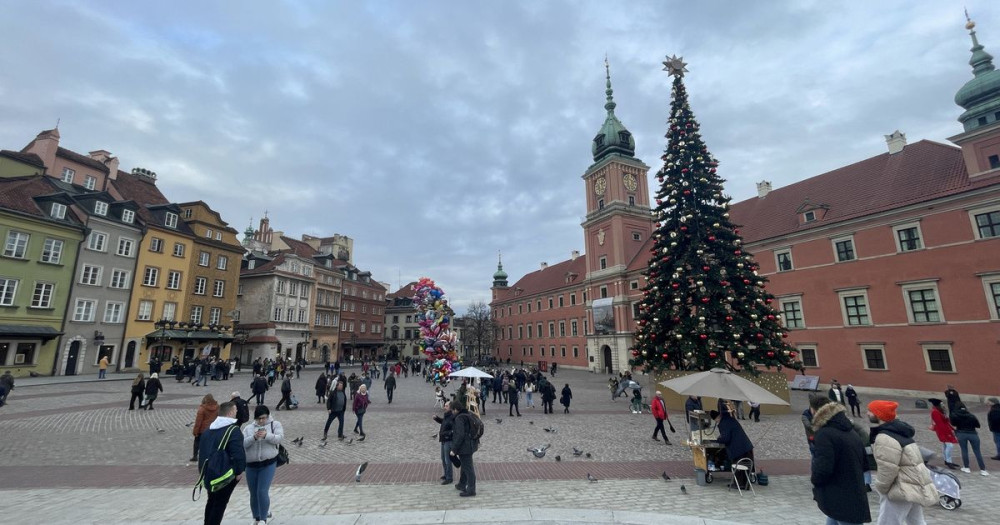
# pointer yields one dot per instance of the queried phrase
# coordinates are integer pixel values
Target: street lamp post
(354, 346)
(305, 343)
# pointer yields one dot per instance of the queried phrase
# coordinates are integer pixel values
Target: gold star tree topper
(675, 66)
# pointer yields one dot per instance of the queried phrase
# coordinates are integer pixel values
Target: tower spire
(500, 277)
(981, 61)
(610, 104)
(613, 138)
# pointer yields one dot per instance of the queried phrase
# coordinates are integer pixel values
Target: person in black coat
(321, 386)
(464, 445)
(211, 440)
(838, 464)
(567, 397)
(153, 387)
(286, 393)
(445, 436)
(258, 387)
(390, 386)
(993, 422)
(138, 388)
(732, 435)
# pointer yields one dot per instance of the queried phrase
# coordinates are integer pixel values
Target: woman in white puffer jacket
(261, 439)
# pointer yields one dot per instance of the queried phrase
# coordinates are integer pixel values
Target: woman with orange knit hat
(902, 480)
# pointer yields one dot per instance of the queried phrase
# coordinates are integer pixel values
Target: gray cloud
(436, 133)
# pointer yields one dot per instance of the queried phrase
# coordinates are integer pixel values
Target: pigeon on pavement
(531, 422)
(558, 458)
(361, 470)
(590, 478)
(550, 429)
(577, 452)
(684, 489)
(665, 476)
(160, 430)
(191, 424)
(322, 445)
(499, 421)
(588, 455)
(539, 452)
(350, 442)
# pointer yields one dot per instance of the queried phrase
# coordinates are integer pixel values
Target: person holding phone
(261, 440)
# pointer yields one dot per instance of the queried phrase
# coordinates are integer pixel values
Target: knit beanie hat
(884, 410)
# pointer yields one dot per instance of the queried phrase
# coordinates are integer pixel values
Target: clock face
(630, 182)
(600, 185)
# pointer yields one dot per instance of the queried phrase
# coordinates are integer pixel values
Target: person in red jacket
(945, 433)
(659, 409)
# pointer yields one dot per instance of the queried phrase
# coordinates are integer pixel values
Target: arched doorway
(393, 353)
(326, 353)
(72, 357)
(300, 350)
(606, 354)
(130, 355)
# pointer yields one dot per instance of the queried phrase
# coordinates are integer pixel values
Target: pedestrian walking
(360, 406)
(838, 466)
(659, 410)
(464, 444)
(138, 388)
(259, 387)
(261, 442)
(548, 394)
(336, 405)
(967, 431)
(853, 400)
(754, 412)
(321, 387)
(566, 397)
(223, 428)
(945, 433)
(836, 393)
(529, 391)
(902, 480)
(207, 412)
(993, 422)
(242, 408)
(445, 436)
(102, 367)
(286, 393)
(6, 386)
(512, 398)
(153, 388)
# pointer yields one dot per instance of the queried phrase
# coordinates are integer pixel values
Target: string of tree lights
(704, 305)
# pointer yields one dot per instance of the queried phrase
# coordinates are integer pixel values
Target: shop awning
(24, 331)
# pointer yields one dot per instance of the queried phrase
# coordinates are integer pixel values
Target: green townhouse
(41, 237)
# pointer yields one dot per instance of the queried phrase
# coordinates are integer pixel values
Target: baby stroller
(947, 484)
(294, 403)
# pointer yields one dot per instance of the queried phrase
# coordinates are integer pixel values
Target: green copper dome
(980, 96)
(500, 277)
(613, 137)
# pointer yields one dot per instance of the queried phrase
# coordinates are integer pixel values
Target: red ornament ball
(746, 281)
(703, 337)
(675, 286)
(760, 336)
(635, 353)
(664, 355)
(793, 354)
(711, 237)
(706, 268)
(687, 192)
(770, 317)
(770, 354)
(704, 299)
(713, 355)
(729, 318)
(737, 252)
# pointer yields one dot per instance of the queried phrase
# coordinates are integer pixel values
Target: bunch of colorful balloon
(436, 340)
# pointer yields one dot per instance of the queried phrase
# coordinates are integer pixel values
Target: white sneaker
(984, 473)
(966, 470)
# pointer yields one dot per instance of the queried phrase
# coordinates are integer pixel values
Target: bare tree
(479, 327)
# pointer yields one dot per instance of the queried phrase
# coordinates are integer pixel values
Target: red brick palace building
(887, 270)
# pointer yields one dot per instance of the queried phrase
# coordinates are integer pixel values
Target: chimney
(896, 142)
(763, 188)
(100, 155)
(545, 265)
(45, 146)
(144, 174)
(574, 255)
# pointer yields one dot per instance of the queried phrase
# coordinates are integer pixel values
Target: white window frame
(126, 247)
(144, 312)
(87, 314)
(809, 216)
(864, 357)
(8, 292)
(277, 313)
(218, 237)
(57, 210)
(208, 233)
(97, 241)
(101, 208)
(802, 311)
(128, 216)
(197, 312)
(114, 312)
(124, 277)
(179, 249)
(200, 285)
(54, 249)
(906, 226)
(219, 288)
(96, 274)
(45, 299)
(924, 347)
(89, 182)
(214, 315)
(171, 307)
(221, 262)
(204, 258)
(979, 211)
(842, 294)
(801, 349)
(777, 262)
(173, 275)
(842, 238)
(156, 245)
(67, 175)
(170, 220)
(150, 271)
(922, 285)
(993, 304)
(16, 245)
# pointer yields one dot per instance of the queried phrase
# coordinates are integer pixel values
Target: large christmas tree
(704, 306)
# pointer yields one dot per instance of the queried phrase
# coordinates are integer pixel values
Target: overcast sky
(436, 133)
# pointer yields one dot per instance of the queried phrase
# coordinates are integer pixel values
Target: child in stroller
(947, 484)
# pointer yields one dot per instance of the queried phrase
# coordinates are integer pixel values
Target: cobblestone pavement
(65, 446)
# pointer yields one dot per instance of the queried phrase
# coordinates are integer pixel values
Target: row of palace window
(353, 291)
(169, 312)
(151, 278)
(552, 301)
(348, 326)
(16, 247)
(529, 351)
(937, 357)
(292, 315)
(204, 258)
(326, 319)
(922, 302)
(573, 330)
(350, 306)
(293, 288)
(908, 238)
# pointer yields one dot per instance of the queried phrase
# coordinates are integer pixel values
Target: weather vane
(675, 66)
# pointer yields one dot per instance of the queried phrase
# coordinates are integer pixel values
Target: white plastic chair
(743, 467)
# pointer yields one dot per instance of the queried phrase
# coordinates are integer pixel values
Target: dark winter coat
(732, 435)
(139, 388)
(321, 385)
(838, 467)
(212, 438)
(152, 387)
(259, 385)
(993, 418)
(964, 421)
(390, 383)
(286, 386)
(852, 396)
(691, 405)
(447, 432)
(567, 396)
(548, 392)
(462, 441)
(337, 401)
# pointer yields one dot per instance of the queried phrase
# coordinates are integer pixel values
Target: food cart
(709, 455)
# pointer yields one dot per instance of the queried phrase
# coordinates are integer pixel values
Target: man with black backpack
(467, 431)
(222, 461)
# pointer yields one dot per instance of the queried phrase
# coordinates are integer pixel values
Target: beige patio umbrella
(470, 371)
(722, 383)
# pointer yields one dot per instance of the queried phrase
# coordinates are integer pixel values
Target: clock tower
(617, 227)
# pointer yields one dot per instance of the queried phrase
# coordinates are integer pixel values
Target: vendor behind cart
(731, 434)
